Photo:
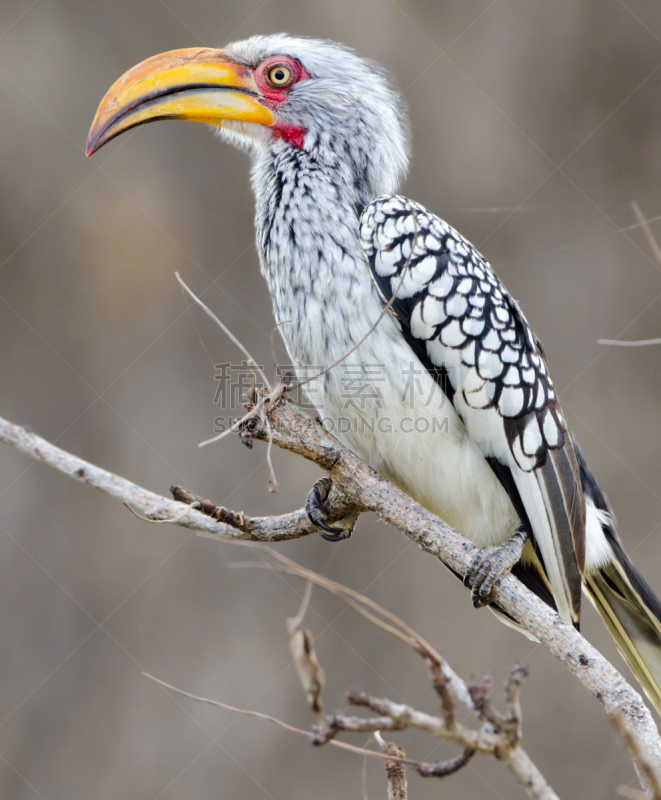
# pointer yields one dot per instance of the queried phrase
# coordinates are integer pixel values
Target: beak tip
(95, 141)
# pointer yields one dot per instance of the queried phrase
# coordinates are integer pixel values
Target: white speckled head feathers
(347, 105)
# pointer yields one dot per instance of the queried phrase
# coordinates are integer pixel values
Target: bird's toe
(489, 565)
(315, 507)
(482, 574)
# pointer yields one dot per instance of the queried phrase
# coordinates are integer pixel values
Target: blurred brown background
(535, 126)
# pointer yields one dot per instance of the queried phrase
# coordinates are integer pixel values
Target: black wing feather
(472, 337)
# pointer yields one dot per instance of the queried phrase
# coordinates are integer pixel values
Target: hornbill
(328, 136)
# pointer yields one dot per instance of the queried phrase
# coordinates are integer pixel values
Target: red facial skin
(274, 95)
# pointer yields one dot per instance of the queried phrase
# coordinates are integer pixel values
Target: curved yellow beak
(199, 84)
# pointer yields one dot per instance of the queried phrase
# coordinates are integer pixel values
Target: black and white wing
(470, 334)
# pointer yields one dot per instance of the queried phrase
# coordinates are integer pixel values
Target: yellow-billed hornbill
(328, 138)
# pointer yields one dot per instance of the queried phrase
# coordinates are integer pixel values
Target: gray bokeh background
(535, 126)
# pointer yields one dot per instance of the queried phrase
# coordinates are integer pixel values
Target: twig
(644, 224)
(219, 513)
(489, 740)
(280, 723)
(363, 773)
(225, 329)
(650, 775)
(256, 411)
(301, 647)
(170, 521)
(629, 343)
(276, 327)
(294, 623)
(441, 769)
(273, 481)
(440, 684)
(506, 727)
(633, 794)
(512, 699)
(395, 772)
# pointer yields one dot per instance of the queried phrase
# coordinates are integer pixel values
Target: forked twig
(258, 409)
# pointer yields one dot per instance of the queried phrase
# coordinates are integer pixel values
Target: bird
(367, 281)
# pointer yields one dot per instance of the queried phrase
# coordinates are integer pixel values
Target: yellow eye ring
(279, 75)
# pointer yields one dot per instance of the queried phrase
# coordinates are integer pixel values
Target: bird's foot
(315, 507)
(490, 564)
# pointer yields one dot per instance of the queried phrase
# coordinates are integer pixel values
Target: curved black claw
(315, 507)
(490, 564)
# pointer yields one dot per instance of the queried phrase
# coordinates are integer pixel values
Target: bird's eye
(279, 75)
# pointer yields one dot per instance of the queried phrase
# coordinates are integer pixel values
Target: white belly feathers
(385, 406)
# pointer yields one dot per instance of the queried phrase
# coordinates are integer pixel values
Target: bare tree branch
(294, 431)
(227, 525)
(357, 487)
(497, 736)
